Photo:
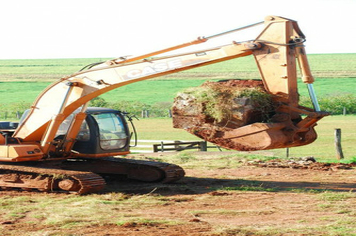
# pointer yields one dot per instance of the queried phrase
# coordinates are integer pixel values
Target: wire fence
(154, 113)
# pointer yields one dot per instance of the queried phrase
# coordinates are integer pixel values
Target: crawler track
(147, 171)
(83, 176)
(49, 180)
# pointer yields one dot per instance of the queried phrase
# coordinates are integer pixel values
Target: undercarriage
(83, 176)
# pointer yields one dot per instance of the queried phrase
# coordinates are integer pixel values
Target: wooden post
(203, 146)
(162, 146)
(344, 111)
(339, 153)
(287, 152)
(177, 144)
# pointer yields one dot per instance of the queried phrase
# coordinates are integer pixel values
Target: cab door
(103, 132)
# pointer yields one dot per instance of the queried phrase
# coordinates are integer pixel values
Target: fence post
(339, 153)
(145, 113)
(203, 146)
(162, 146)
(176, 146)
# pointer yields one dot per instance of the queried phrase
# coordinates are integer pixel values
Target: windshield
(112, 131)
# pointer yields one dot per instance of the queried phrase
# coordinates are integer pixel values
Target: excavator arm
(275, 51)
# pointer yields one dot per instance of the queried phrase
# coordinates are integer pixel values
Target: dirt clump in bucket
(213, 108)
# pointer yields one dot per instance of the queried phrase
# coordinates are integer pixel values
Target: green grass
(23, 80)
(322, 149)
(158, 90)
(82, 211)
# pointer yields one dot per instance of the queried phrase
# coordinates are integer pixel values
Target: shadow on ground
(194, 185)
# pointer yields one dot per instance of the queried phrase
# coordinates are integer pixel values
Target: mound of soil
(302, 163)
(215, 108)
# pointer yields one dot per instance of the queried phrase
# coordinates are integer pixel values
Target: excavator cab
(104, 131)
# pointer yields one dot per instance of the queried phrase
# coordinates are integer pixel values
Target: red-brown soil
(203, 204)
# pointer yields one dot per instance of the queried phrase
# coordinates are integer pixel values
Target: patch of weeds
(324, 206)
(352, 213)
(302, 221)
(218, 101)
(238, 232)
(185, 157)
(261, 158)
(326, 218)
(243, 185)
(304, 190)
(73, 199)
(351, 161)
(178, 199)
(344, 211)
(110, 202)
(72, 224)
(198, 213)
(68, 221)
(335, 196)
(250, 188)
(261, 101)
(142, 201)
(39, 216)
(143, 222)
(113, 198)
(342, 229)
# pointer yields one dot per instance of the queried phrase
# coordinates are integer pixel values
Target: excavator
(62, 145)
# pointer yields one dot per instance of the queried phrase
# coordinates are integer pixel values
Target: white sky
(114, 28)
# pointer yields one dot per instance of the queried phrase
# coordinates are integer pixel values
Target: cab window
(112, 131)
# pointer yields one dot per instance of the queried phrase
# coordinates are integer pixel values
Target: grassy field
(322, 149)
(220, 194)
(23, 80)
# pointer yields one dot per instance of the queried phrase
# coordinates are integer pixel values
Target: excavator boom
(275, 51)
(63, 97)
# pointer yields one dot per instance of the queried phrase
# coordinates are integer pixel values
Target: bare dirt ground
(249, 200)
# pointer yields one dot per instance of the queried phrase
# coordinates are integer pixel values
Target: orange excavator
(62, 145)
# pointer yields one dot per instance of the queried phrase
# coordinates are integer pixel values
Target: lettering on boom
(153, 69)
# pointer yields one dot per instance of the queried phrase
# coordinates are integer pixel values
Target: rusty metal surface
(83, 176)
(148, 171)
(45, 179)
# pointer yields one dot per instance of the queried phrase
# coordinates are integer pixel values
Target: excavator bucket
(241, 115)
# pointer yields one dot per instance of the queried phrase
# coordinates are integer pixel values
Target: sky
(33, 29)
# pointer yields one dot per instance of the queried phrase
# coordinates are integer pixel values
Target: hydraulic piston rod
(313, 97)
